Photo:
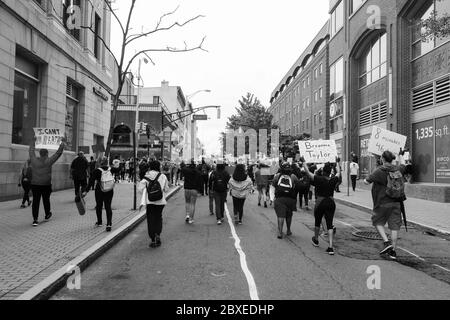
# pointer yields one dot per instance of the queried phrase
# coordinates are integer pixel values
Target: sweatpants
(219, 198)
(154, 220)
(104, 198)
(38, 192)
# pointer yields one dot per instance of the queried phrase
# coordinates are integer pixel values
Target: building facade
(54, 74)
(381, 73)
(162, 109)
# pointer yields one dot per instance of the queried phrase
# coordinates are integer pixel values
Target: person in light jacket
(155, 208)
(240, 186)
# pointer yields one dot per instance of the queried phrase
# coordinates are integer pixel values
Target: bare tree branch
(108, 4)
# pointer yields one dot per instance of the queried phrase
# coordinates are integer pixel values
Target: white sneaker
(187, 219)
(191, 221)
(219, 222)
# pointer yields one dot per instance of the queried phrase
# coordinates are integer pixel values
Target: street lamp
(193, 121)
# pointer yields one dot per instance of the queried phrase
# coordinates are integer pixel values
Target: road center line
(237, 243)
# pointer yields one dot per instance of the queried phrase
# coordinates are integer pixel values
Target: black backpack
(219, 183)
(285, 187)
(154, 190)
(395, 188)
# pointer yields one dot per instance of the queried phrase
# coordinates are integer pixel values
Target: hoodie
(379, 180)
(142, 187)
(240, 189)
(42, 167)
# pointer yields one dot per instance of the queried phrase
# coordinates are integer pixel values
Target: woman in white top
(240, 187)
(354, 170)
(154, 208)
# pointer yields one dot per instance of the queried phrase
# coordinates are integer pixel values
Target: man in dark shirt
(192, 187)
(79, 172)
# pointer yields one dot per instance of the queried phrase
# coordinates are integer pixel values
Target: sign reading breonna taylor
(385, 140)
(47, 138)
(318, 151)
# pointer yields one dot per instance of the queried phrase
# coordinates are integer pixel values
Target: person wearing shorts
(262, 183)
(285, 203)
(386, 209)
(325, 206)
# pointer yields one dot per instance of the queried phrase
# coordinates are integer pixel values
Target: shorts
(325, 207)
(389, 213)
(261, 187)
(284, 207)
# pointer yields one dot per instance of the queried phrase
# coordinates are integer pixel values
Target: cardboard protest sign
(318, 151)
(385, 140)
(48, 138)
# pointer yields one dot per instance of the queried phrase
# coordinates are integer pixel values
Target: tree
(129, 42)
(436, 26)
(251, 114)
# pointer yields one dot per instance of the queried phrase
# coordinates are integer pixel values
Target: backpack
(107, 182)
(395, 188)
(285, 187)
(219, 183)
(154, 190)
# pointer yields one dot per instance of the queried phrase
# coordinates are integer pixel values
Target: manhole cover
(372, 235)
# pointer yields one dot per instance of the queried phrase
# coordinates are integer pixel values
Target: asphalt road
(202, 262)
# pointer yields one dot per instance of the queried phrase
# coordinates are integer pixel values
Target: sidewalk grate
(372, 235)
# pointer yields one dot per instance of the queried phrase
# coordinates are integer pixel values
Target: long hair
(239, 173)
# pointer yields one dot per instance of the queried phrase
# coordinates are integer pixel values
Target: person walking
(122, 170)
(325, 186)
(286, 188)
(79, 172)
(240, 187)
(158, 185)
(335, 169)
(192, 187)
(41, 181)
(262, 183)
(103, 180)
(205, 168)
(143, 167)
(219, 180)
(116, 169)
(127, 170)
(92, 166)
(175, 170)
(304, 185)
(211, 191)
(354, 171)
(388, 191)
(26, 176)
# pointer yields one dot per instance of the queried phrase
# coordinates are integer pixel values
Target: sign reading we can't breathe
(385, 140)
(47, 138)
(318, 151)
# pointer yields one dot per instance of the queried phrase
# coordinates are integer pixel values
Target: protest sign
(385, 140)
(318, 151)
(48, 138)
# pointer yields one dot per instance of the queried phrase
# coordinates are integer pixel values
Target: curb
(53, 283)
(369, 211)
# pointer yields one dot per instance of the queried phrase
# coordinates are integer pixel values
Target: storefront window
(25, 101)
(367, 161)
(443, 150)
(71, 123)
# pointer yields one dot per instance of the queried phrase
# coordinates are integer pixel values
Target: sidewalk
(429, 214)
(30, 254)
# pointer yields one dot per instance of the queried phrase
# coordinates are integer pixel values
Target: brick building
(381, 73)
(52, 74)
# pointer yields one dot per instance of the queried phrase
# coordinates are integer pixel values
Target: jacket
(79, 168)
(42, 167)
(240, 189)
(192, 179)
(142, 187)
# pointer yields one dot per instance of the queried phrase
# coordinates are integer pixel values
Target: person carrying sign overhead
(41, 181)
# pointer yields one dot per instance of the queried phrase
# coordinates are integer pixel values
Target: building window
(420, 47)
(308, 80)
(70, 8)
(373, 63)
(355, 4)
(320, 117)
(320, 93)
(71, 123)
(97, 35)
(307, 123)
(25, 103)
(303, 125)
(308, 102)
(316, 96)
(156, 100)
(337, 78)
(337, 19)
(321, 68)
(315, 120)
(304, 84)
(316, 73)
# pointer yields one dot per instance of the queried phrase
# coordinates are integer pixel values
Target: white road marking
(412, 253)
(237, 243)
(445, 269)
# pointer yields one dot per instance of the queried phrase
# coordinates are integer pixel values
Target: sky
(251, 46)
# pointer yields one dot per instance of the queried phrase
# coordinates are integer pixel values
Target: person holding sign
(325, 206)
(41, 181)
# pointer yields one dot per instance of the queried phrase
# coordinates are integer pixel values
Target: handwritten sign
(318, 151)
(47, 138)
(385, 140)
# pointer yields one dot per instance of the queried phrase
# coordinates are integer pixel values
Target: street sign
(198, 117)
